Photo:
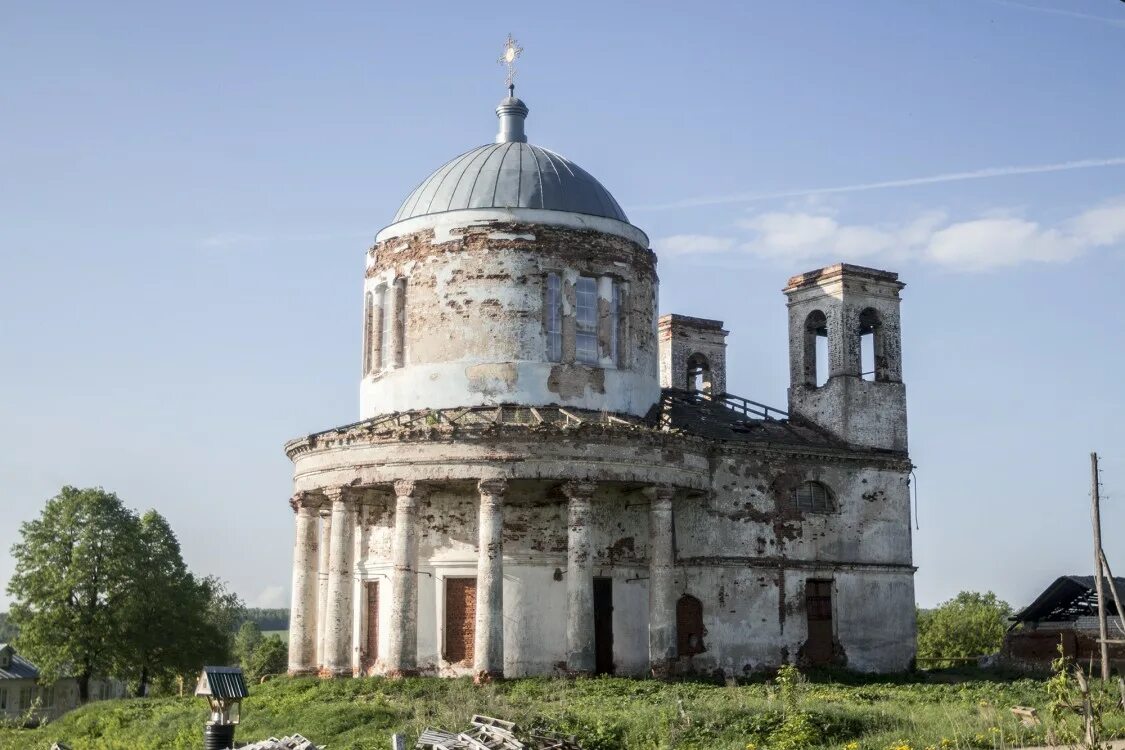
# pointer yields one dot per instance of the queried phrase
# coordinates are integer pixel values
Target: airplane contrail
(976, 174)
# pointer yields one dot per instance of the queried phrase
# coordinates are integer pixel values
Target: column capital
(576, 490)
(409, 488)
(303, 501)
(660, 493)
(492, 487)
(346, 493)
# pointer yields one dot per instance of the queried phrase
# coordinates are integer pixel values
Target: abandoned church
(549, 477)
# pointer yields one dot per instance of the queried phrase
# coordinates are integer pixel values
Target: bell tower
(855, 311)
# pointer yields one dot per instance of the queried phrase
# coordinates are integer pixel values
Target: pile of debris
(494, 734)
(295, 742)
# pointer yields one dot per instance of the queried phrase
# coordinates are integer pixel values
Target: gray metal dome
(511, 173)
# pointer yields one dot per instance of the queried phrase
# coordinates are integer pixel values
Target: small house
(23, 697)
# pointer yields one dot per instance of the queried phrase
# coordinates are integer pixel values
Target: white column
(402, 639)
(302, 618)
(323, 550)
(338, 624)
(488, 646)
(661, 579)
(359, 601)
(580, 657)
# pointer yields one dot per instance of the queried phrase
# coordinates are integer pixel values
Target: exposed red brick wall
(460, 619)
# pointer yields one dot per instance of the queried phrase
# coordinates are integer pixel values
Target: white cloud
(985, 244)
(990, 241)
(1103, 225)
(271, 597)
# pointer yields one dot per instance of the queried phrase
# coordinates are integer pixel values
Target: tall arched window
(871, 359)
(815, 354)
(689, 626)
(813, 497)
(699, 374)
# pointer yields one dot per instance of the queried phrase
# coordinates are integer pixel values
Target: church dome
(510, 173)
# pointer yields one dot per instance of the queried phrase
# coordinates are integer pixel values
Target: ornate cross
(512, 50)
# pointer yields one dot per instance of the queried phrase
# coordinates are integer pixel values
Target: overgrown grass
(939, 711)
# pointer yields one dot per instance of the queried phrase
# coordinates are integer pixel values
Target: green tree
(245, 641)
(102, 592)
(270, 656)
(179, 635)
(8, 631)
(73, 578)
(970, 624)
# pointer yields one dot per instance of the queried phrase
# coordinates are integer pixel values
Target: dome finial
(512, 112)
(512, 51)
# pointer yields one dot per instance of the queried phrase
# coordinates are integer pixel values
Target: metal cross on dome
(512, 50)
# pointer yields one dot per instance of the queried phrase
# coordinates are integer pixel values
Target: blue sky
(187, 191)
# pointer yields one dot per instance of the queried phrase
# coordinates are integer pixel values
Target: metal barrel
(218, 736)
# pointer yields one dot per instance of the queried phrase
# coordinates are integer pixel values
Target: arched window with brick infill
(689, 626)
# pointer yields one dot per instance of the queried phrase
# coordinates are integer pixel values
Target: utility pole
(1098, 585)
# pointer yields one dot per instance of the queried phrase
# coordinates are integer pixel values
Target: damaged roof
(733, 418)
(1067, 599)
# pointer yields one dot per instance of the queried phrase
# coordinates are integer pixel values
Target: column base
(398, 674)
(661, 670)
(303, 672)
(333, 673)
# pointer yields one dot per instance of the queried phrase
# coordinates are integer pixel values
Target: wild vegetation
(258, 654)
(969, 625)
(939, 711)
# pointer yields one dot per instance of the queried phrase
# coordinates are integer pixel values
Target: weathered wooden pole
(1098, 567)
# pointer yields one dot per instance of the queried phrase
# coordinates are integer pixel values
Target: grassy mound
(841, 711)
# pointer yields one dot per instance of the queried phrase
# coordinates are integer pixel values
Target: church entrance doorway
(603, 626)
(371, 652)
(818, 609)
(460, 619)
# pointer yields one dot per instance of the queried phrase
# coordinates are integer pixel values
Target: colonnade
(321, 623)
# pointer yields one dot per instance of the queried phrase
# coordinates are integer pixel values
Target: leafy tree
(970, 624)
(101, 591)
(179, 635)
(245, 641)
(73, 578)
(8, 631)
(270, 656)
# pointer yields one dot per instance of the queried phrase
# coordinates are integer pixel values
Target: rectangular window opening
(586, 320)
(614, 322)
(554, 318)
(386, 315)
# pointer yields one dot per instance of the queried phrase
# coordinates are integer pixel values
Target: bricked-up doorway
(689, 626)
(603, 626)
(371, 652)
(460, 619)
(818, 609)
